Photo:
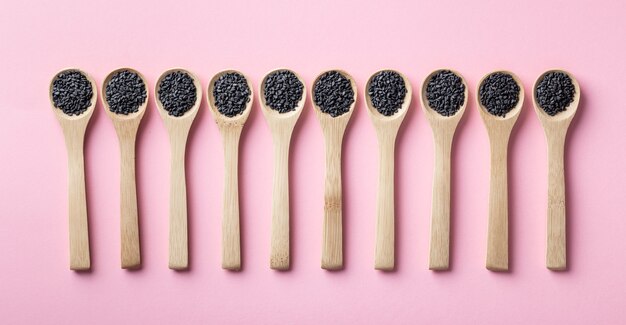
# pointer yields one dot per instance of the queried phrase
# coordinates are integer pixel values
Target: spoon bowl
(74, 128)
(121, 117)
(430, 113)
(334, 130)
(186, 118)
(443, 128)
(126, 127)
(274, 116)
(555, 128)
(230, 128)
(396, 119)
(221, 119)
(178, 129)
(569, 113)
(86, 115)
(499, 129)
(343, 118)
(386, 130)
(281, 126)
(513, 114)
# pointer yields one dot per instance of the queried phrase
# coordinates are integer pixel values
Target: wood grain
(178, 130)
(386, 130)
(74, 128)
(333, 129)
(499, 130)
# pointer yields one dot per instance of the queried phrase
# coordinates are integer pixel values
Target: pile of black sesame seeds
(231, 94)
(72, 92)
(125, 92)
(177, 93)
(499, 93)
(333, 93)
(282, 91)
(387, 91)
(555, 92)
(445, 92)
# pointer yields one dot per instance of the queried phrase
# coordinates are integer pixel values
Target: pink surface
(527, 37)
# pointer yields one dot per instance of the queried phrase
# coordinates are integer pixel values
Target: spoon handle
(440, 219)
(178, 257)
(78, 223)
(332, 247)
(556, 252)
(129, 223)
(498, 233)
(231, 242)
(279, 258)
(385, 226)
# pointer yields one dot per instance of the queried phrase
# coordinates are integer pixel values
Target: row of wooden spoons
(282, 125)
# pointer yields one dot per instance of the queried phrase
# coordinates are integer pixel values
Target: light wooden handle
(332, 247)
(440, 219)
(498, 233)
(129, 223)
(279, 258)
(556, 252)
(178, 259)
(385, 226)
(78, 223)
(231, 242)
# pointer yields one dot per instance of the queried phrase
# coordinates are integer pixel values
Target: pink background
(527, 37)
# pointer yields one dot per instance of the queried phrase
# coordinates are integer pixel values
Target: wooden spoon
(231, 128)
(281, 126)
(126, 127)
(178, 129)
(499, 130)
(386, 129)
(555, 128)
(74, 132)
(333, 129)
(443, 135)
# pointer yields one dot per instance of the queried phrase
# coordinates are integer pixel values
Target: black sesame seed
(231, 93)
(282, 91)
(387, 91)
(555, 92)
(72, 92)
(333, 93)
(125, 92)
(445, 92)
(499, 93)
(177, 93)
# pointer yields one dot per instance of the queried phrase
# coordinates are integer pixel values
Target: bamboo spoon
(386, 129)
(499, 130)
(333, 129)
(281, 126)
(231, 128)
(126, 127)
(178, 129)
(74, 132)
(443, 135)
(555, 128)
